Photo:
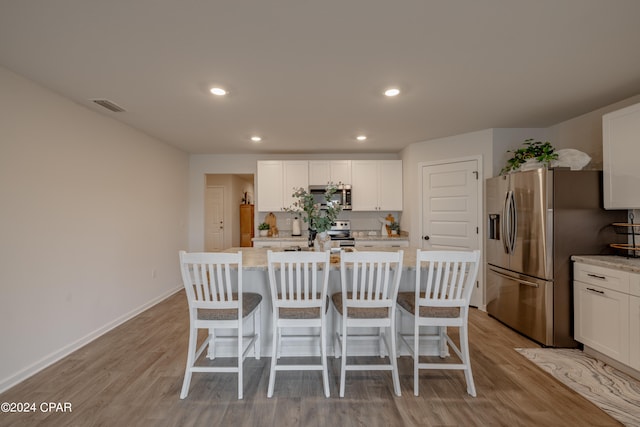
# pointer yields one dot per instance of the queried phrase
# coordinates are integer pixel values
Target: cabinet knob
(426, 237)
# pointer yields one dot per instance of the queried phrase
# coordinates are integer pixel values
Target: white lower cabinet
(263, 244)
(606, 314)
(602, 320)
(382, 243)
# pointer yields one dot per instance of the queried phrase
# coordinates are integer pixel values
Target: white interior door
(214, 219)
(450, 210)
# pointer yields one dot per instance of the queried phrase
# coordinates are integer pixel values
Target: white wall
(584, 132)
(90, 210)
(459, 146)
(490, 145)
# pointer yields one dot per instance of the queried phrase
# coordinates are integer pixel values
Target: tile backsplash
(360, 221)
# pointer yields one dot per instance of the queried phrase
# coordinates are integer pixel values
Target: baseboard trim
(46, 361)
(612, 362)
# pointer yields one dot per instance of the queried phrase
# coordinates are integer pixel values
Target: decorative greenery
(543, 152)
(319, 220)
(394, 226)
(263, 226)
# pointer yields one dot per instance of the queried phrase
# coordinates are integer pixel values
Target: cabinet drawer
(634, 284)
(608, 278)
(382, 243)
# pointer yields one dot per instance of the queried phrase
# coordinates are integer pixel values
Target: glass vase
(322, 242)
(312, 238)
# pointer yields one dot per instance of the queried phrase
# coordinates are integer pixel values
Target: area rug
(613, 391)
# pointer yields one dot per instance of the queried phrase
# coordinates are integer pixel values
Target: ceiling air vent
(108, 105)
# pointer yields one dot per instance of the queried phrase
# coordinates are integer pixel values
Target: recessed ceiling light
(392, 91)
(218, 91)
(361, 137)
(256, 139)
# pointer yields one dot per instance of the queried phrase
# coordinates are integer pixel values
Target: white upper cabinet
(276, 181)
(322, 172)
(364, 185)
(621, 150)
(269, 183)
(340, 171)
(296, 175)
(390, 185)
(377, 185)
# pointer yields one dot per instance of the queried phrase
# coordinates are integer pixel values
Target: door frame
(480, 214)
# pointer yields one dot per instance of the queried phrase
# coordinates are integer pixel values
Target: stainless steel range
(341, 231)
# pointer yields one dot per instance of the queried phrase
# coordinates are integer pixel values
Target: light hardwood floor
(132, 377)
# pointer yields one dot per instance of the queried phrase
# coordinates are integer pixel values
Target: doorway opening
(224, 193)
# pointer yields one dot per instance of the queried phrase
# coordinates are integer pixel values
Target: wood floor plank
(133, 375)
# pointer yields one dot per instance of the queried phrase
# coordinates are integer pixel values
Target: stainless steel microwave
(342, 196)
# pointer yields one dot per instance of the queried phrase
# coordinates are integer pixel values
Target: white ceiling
(308, 76)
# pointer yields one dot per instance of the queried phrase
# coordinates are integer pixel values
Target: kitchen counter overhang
(293, 239)
(256, 258)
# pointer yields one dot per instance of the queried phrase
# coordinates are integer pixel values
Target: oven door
(346, 243)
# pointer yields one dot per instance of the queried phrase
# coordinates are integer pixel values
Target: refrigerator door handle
(505, 225)
(515, 279)
(513, 222)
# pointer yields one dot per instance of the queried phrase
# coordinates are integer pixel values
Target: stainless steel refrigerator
(536, 220)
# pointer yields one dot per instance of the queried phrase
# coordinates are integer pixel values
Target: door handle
(515, 279)
(596, 291)
(506, 214)
(513, 221)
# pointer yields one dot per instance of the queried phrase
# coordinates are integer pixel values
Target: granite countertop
(610, 261)
(256, 258)
(280, 238)
(289, 238)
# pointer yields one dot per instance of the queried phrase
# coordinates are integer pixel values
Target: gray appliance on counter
(536, 220)
(341, 231)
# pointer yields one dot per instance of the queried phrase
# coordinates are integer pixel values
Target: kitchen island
(256, 279)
